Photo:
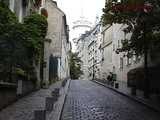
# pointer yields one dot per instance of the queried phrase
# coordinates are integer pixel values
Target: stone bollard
(50, 103)
(55, 93)
(64, 83)
(116, 85)
(57, 90)
(39, 115)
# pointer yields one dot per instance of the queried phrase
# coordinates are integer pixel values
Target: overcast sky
(76, 8)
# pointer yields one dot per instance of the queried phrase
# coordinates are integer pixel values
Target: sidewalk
(152, 103)
(24, 108)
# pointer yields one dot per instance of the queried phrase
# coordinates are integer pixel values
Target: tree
(11, 39)
(36, 29)
(21, 44)
(75, 66)
(142, 19)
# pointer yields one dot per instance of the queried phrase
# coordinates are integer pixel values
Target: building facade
(88, 48)
(94, 52)
(97, 49)
(56, 46)
(114, 61)
(82, 50)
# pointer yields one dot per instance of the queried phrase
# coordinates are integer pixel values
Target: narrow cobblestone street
(89, 101)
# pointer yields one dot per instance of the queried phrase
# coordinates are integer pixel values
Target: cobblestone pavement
(23, 109)
(89, 101)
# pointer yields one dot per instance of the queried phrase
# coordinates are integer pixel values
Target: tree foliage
(142, 19)
(7, 17)
(20, 43)
(75, 66)
(9, 42)
(36, 29)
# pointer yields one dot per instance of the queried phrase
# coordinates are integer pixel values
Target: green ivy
(36, 29)
(6, 17)
(21, 44)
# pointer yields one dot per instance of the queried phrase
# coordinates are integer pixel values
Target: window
(118, 43)
(102, 58)
(129, 61)
(113, 47)
(135, 59)
(121, 63)
(138, 58)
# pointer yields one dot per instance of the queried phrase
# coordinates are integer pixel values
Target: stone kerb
(49, 105)
(50, 101)
(40, 115)
(58, 106)
(64, 83)
(53, 104)
(56, 92)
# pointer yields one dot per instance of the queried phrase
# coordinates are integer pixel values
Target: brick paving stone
(89, 101)
(153, 102)
(24, 108)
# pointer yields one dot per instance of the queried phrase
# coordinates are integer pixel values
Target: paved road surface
(89, 101)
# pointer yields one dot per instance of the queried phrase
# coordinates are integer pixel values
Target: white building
(113, 61)
(94, 52)
(82, 49)
(57, 45)
(97, 49)
(88, 50)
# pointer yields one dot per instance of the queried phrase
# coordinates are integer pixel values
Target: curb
(130, 97)
(56, 113)
(64, 100)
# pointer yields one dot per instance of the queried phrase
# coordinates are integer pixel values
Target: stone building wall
(54, 27)
(57, 45)
(89, 53)
(113, 62)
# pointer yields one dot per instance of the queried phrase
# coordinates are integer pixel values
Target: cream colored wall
(111, 61)
(83, 54)
(54, 27)
(57, 46)
(107, 64)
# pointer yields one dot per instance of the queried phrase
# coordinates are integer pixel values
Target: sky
(76, 8)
